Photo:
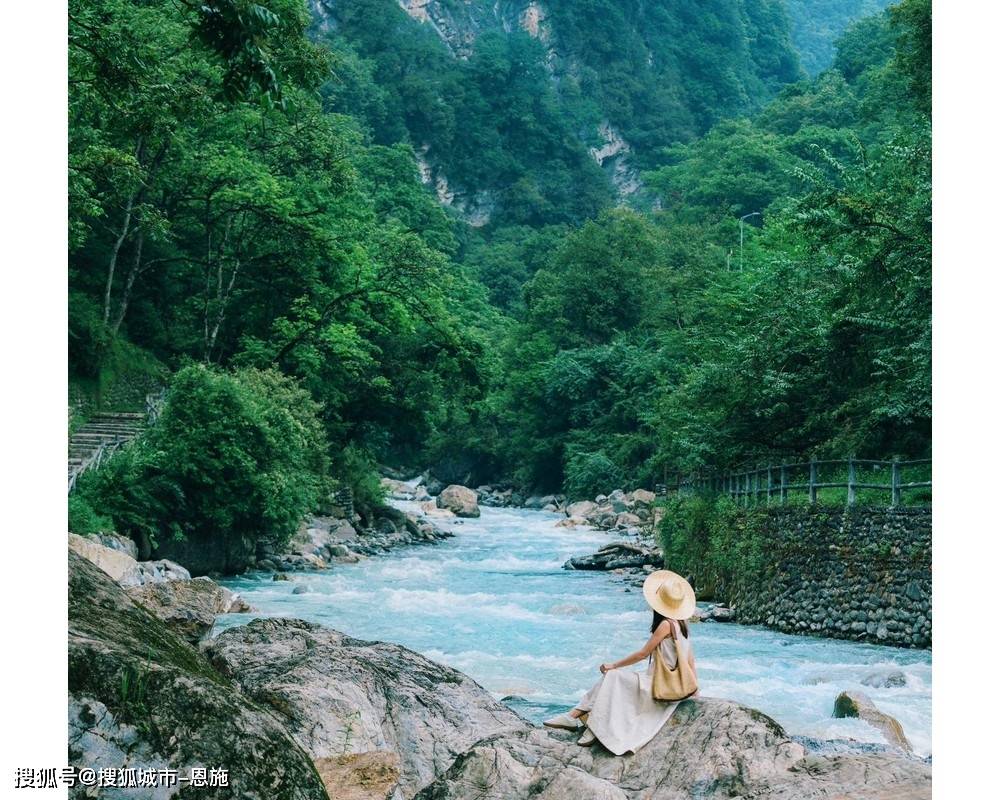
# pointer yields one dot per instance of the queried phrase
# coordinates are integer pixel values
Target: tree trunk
(129, 282)
(116, 248)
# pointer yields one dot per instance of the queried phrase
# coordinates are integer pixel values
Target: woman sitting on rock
(622, 710)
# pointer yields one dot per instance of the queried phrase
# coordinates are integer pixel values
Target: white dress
(622, 713)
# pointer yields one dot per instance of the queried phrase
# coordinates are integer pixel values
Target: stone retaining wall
(862, 573)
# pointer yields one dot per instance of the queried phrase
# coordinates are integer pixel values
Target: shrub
(236, 458)
(683, 533)
(714, 541)
(354, 468)
(84, 519)
(589, 474)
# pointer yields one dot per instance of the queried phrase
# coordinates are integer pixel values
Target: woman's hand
(605, 668)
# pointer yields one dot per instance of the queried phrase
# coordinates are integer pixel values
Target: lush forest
(817, 24)
(248, 215)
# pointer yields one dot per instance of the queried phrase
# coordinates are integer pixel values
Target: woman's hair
(658, 618)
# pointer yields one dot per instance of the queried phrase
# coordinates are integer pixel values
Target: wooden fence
(773, 483)
(101, 454)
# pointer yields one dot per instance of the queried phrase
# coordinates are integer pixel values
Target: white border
(33, 315)
(966, 317)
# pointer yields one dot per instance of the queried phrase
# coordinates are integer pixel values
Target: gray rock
(340, 695)
(885, 678)
(710, 749)
(118, 542)
(856, 704)
(189, 607)
(643, 497)
(460, 500)
(721, 614)
(140, 696)
(617, 555)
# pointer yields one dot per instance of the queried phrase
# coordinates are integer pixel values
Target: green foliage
(84, 519)
(357, 471)
(817, 24)
(714, 541)
(220, 214)
(642, 340)
(233, 454)
(589, 474)
(245, 198)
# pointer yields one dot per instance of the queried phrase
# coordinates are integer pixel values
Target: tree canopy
(275, 197)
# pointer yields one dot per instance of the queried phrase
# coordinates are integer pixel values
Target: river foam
(494, 602)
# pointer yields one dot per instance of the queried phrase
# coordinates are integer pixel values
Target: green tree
(235, 460)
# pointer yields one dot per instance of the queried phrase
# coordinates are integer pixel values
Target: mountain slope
(527, 112)
(817, 24)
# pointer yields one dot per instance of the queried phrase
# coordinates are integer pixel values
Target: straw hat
(668, 593)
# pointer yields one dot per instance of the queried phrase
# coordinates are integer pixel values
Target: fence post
(783, 495)
(895, 483)
(851, 492)
(770, 484)
(812, 480)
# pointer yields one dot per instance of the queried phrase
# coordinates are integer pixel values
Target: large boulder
(710, 749)
(119, 564)
(401, 490)
(118, 542)
(189, 607)
(430, 509)
(583, 508)
(319, 539)
(340, 695)
(617, 555)
(115, 562)
(643, 497)
(860, 705)
(461, 500)
(142, 697)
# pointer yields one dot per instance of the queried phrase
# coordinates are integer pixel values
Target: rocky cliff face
(459, 24)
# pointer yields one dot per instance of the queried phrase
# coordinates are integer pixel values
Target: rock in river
(460, 500)
(885, 679)
(856, 704)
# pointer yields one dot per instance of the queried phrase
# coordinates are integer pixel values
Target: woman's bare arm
(662, 632)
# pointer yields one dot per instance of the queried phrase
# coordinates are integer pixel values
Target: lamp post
(745, 217)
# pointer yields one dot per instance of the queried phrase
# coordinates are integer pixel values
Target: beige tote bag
(673, 684)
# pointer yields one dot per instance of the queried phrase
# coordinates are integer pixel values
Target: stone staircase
(103, 434)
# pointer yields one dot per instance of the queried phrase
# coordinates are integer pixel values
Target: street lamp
(744, 217)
